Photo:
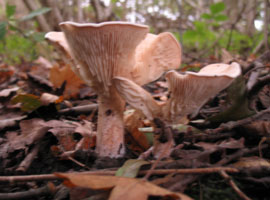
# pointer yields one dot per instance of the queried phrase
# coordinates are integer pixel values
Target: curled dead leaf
(122, 188)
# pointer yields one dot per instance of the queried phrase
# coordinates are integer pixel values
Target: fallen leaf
(10, 122)
(133, 121)
(32, 131)
(259, 127)
(5, 73)
(29, 102)
(7, 92)
(60, 75)
(264, 96)
(230, 143)
(122, 187)
(239, 108)
(251, 162)
(131, 168)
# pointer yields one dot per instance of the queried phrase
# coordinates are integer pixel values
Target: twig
(25, 164)
(45, 190)
(46, 177)
(166, 143)
(77, 162)
(233, 185)
(239, 154)
(234, 124)
(233, 25)
(78, 109)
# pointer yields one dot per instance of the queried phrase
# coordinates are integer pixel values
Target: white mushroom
(103, 51)
(189, 91)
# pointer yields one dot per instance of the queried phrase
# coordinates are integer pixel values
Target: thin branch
(78, 109)
(234, 186)
(48, 189)
(26, 163)
(234, 124)
(46, 177)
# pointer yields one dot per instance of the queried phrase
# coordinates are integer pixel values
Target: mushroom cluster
(100, 52)
(188, 92)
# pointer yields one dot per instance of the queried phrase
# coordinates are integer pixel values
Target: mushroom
(188, 92)
(103, 51)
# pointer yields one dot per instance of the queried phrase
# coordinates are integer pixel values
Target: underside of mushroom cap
(104, 50)
(137, 97)
(155, 55)
(192, 90)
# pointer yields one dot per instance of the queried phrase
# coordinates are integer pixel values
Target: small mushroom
(103, 51)
(189, 91)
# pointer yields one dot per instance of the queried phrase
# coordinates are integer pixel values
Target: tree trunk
(250, 13)
(31, 5)
(110, 137)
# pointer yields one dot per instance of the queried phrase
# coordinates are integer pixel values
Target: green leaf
(131, 168)
(29, 102)
(39, 36)
(206, 16)
(217, 8)
(3, 30)
(239, 105)
(35, 13)
(10, 10)
(221, 18)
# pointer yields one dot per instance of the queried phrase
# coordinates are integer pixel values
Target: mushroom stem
(110, 137)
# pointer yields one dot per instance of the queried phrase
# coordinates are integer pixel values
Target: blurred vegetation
(201, 26)
(17, 44)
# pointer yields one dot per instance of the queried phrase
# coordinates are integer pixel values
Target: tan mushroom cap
(189, 91)
(59, 41)
(138, 56)
(104, 50)
(155, 55)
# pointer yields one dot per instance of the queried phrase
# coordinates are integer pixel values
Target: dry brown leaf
(230, 143)
(259, 127)
(32, 131)
(73, 83)
(264, 96)
(122, 188)
(133, 121)
(251, 162)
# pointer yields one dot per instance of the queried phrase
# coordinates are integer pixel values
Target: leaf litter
(38, 133)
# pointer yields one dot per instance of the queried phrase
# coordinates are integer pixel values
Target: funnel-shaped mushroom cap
(155, 55)
(189, 91)
(104, 50)
(192, 90)
(59, 41)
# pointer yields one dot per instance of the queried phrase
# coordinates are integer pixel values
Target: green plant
(18, 45)
(209, 34)
(205, 31)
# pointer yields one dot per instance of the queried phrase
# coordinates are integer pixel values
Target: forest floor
(48, 121)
